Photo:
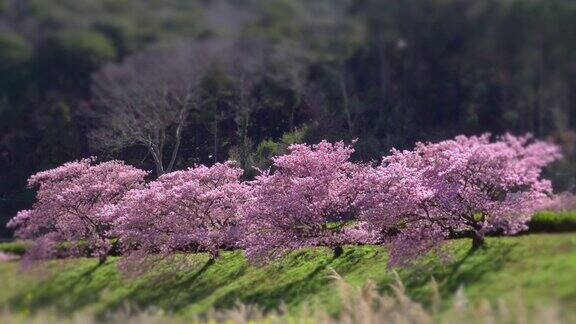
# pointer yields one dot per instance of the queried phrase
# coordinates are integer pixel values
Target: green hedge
(15, 247)
(548, 221)
(19, 247)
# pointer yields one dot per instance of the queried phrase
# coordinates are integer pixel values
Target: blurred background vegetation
(385, 72)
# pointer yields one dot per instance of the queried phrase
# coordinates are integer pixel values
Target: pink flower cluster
(188, 211)
(562, 202)
(312, 196)
(71, 206)
(307, 201)
(465, 187)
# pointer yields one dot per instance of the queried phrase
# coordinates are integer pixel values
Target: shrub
(15, 247)
(548, 221)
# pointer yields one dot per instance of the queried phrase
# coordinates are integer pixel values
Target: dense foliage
(307, 201)
(192, 210)
(72, 205)
(312, 196)
(466, 187)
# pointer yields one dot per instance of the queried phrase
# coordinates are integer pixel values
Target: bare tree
(145, 100)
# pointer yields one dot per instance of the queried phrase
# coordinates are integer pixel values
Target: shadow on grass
(298, 288)
(175, 290)
(469, 268)
(70, 290)
(271, 298)
(299, 276)
(64, 294)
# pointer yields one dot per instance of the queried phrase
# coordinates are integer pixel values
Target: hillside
(539, 266)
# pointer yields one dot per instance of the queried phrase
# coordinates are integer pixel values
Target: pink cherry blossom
(465, 187)
(565, 201)
(307, 201)
(191, 210)
(70, 207)
(313, 196)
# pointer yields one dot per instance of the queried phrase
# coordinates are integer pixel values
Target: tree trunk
(338, 250)
(157, 162)
(214, 255)
(102, 259)
(477, 240)
(177, 137)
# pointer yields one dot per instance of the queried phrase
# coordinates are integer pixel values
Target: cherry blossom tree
(189, 211)
(71, 206)
(465, 187)
(307, 201)
(562, 202)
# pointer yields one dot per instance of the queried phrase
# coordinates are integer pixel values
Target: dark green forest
(386, 73)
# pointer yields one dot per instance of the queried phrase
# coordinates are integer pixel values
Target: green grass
(542, 266)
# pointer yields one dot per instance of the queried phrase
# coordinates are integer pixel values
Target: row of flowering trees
(313, 196)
